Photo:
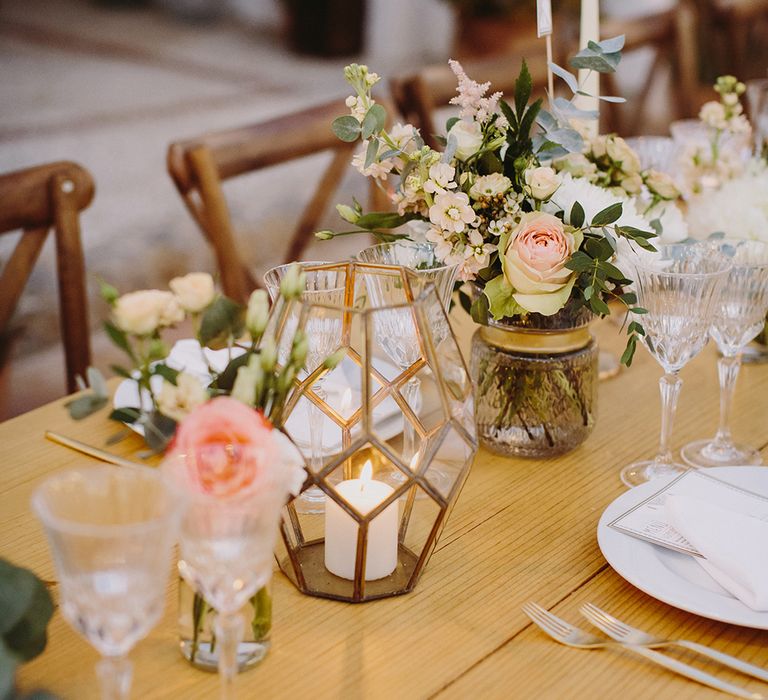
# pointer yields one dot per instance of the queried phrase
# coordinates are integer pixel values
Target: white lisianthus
(661, 185)
(632, 184)
(451, 211)
(143, 312)
(257, 314)
(177, 401)
(194, 291)
(541, 183)
(577, 164)
(490, 186)
(619, 151)
(440, 178)
(468, 136)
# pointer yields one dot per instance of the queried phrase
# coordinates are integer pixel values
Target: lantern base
(319, 582)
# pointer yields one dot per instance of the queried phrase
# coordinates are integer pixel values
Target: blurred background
(111, 83)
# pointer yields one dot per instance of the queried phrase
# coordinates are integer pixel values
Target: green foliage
(25, 609)
(501, 300)
(346, 128)
(603, 57)
(89, 401)
(222, 320)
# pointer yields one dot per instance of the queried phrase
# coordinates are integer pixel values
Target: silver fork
(624, 633)
(571, 636)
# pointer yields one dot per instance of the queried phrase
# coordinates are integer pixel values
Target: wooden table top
(522, 530)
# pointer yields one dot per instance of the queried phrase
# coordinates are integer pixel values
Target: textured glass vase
(197, 641)
(535, 381)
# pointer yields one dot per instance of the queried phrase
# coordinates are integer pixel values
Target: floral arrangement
(705, 167)
(235, 355)
(511, 198)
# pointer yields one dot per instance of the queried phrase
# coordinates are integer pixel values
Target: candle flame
(366, 474)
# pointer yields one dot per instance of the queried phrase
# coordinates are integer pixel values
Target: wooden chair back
(37, 200)
(418, 95)
(200, 165)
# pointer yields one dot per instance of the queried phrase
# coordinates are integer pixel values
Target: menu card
(648, 520)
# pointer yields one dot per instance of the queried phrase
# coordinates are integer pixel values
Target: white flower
(443, 246)
(143, 312)
(377, 169)
(177, 401)
(619, 151)
(598, 146)
(451, 211)
(632, 184)
(674, 229)
(356, 107)
(713, 114)
(440, 178)
(257, 313)
(477, 248)
(541, 183)
(468, 136)
(471, 98)
(731, 99)
(577, 164)
(194, 291)
(404, 137)
(661, 184)
(490, 185)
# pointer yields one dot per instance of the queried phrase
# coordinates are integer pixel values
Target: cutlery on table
(624, 633)
(101, 455)
(565, 633)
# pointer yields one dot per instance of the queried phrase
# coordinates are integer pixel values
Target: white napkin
(734, 546)
(187, 356)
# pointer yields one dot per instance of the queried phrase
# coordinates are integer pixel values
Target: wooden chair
(37, 200)
(672, 37)
(199, 166)
(418, 95)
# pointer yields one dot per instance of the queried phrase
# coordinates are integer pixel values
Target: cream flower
(379, 169)
(541, 183)
(443, 246)
(451, 211)
(143, 312)
(177, 401)
(490, 185)
(632, 184)
(619, 151)
(194, 291)
(468, 136)
(477, 248)
(257, 313)
(661, 185)
(577, 164)
(713, 114)
(440, 178)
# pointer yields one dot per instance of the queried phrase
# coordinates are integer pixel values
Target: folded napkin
(734, 546)
(187, 356)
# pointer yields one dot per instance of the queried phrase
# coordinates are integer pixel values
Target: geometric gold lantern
(398, 432)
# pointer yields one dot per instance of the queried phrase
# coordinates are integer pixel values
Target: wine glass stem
(115, 674)
(229, 633)
(316, 418)
(412, 394)
(728, 372)
(669, 385)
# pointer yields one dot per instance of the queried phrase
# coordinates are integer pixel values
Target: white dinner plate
(672, 577)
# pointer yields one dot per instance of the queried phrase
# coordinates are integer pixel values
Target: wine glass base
(647, 470)
(754, 354)
(706, 453)
(608, 365)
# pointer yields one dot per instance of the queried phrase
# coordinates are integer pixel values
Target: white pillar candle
(589, 80)
(364, 494)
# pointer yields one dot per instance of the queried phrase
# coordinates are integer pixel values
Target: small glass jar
(535, 382)
(197, 641)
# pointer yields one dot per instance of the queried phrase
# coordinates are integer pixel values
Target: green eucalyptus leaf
(346, 128)
(121, 371)
(576, 217)
(384, 219)
(613, 45)
(608, 215)
(158, 431)
(567, 76)
(373, 121)
(222, 320)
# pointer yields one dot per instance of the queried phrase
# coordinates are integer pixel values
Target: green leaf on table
(86, 405)
(598, 305)
(373, 121)
(346, 128)
(168, 373)
(8, 663)
(222, 320)
(158, 431)
(126, 414)
(608, 215)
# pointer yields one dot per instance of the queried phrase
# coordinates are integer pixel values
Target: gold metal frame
(301, 557)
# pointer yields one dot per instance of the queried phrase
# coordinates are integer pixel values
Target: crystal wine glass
(325, 287)
(679, 286)
(738, 318)
(396, 329)
(111, 531)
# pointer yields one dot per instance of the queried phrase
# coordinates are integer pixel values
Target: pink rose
(534, 262)
(223, 448)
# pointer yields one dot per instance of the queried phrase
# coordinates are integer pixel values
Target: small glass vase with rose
(537, 242)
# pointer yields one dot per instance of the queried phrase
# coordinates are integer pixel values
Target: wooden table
(522, 530)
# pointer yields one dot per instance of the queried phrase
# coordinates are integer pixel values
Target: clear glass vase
(197, 640)
(535, 381)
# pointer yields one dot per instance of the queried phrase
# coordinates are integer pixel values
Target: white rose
(177, 401)
(468, 136)
(632, 184)
(142, 312)
(258, 312)
(661, 184)
(194, 291)
(598, 146)
(541, 183)
(577, 164)
(490, 186)
(619, 151)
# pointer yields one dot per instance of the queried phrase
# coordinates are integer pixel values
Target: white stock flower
(404, 137)
(542, 182)
(377, 169)
(468, 136)
(619, 151)
(440, 178)
(143, 312)
(577, 164)
(451, 211)
(443, 246)
(632, 184)
(490, 185)
(477, 248)
(194, 291)
(713, 114)
(177, 401)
